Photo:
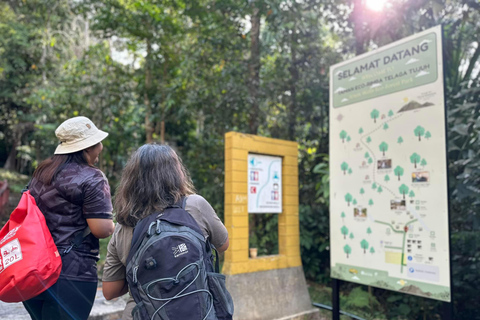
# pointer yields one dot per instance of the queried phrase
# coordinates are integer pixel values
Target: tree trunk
(162, 132)
(293, 85)
(358, 27)
(146, 98)
(18, 132)
(254, 69)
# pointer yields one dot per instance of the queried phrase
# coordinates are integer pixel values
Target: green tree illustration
(351, 236)
(419, 131)
(428, 135)
(370, 160)
(423, 163)
(343, 135)
(360, 131)
(400, 140)
(387, 178)
(350, 171)
(362, 191)
(385, 126)
(344, 167)
(372, 250)
(364, 245)
(374, 185)
(411, 194)
(354, 202)
(415, 158)
(398, 172)
(343, 215)
(403, 190)
(369, 140)
(369, 230)
(367, 155)
(390, 113)
(348, 198)
(380, 190)
(383, 147)
(344, 231)
(374, 115)
(370, 202)
(347, 249)
(349, 139)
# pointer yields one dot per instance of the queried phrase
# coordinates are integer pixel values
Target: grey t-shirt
(119, 245)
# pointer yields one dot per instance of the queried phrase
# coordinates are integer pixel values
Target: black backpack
(170, 270)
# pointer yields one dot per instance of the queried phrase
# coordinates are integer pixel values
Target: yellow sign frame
(237, 148)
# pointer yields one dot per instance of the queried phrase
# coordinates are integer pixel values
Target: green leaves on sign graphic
(419, 132)
(403, 190)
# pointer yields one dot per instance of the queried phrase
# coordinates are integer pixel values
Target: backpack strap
(77, 240)
(25, 189)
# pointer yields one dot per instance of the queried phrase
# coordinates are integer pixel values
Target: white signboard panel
(264, 184)
(388, 169)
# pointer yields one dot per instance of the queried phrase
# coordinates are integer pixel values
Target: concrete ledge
(273, 294)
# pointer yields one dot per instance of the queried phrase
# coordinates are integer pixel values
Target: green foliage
(263, 233)
(400, 140)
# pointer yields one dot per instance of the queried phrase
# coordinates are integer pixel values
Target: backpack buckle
(67, 250)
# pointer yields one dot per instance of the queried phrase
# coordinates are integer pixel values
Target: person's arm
(224, 247)
(114, 289)
(214, 226)
(97, 205)
(101, 228)
(114, 282)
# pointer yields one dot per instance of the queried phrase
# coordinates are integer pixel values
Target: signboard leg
(447, 313)
(335, 299)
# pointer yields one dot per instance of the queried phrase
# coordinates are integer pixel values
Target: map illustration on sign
(388, 170)
(264, 184)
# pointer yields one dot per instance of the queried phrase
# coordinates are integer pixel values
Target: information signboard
(264, 184)
(388, 169)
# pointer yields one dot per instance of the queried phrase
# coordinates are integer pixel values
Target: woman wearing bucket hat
(73, 195)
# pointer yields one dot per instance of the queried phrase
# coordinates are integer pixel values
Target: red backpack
(29, 260)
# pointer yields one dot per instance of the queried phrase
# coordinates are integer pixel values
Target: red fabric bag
(29, 260)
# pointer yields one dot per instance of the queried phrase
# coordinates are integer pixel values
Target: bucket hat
(77, 134)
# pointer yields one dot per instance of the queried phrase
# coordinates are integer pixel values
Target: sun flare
(375, 5)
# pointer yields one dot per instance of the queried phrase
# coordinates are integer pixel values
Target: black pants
(65, 300)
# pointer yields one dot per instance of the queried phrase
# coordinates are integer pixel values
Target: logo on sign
(10, 253)
(253, 189)
(254, 175)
